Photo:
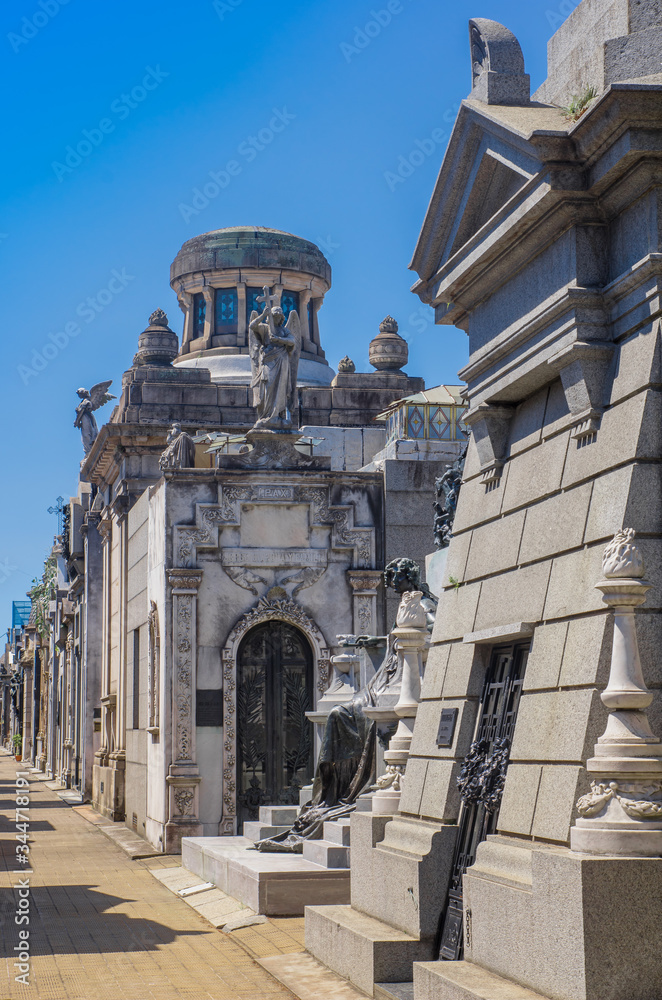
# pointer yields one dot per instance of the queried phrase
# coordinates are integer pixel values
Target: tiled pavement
(101, 926)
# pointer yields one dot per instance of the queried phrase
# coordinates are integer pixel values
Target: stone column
(622, 814)
(411, 638)
(183, 777)
(364, 584)
(304, 299)
(315, 332)
(185, 300)
(67, 686)
(242, 325)
(210, 318)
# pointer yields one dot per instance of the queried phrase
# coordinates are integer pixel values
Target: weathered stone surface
(571, 583)
(495, 546)
(477, 506)
(518, 595)
(587, 652)
(456, 609)
(465, 671)
(543, 666)
(560, 787)
(519, 798)
(555, 525)
(435, 671)
(558, 725)
(527, 423)
(530, 478)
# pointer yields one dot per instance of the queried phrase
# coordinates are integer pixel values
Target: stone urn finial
(388, 351)
(346, 366)
(158, 318)
(158, 344)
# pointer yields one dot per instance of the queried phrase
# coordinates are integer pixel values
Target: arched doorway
(274, 737)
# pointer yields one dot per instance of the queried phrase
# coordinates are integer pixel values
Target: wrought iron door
(482, 780)
(274, 737)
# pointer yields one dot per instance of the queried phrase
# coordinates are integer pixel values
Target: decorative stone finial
(622, 558)
(346, 366)
(159, 318)
(388, 351)
(158, 344)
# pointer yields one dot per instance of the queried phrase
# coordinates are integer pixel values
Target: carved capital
(184, 581)
(366, 581)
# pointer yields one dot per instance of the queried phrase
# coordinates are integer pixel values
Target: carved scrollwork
(184, 799)
(345, 535)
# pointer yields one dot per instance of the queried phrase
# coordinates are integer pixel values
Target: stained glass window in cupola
(199, 309)
(288, 302)
(226, 310)
(441, 423)
(252, 305)
(415, 422)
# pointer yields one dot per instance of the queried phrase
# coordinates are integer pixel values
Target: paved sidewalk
(101, 926)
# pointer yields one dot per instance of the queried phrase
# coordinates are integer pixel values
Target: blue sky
(160, 95)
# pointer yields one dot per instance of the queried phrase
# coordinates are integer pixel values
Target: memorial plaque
(446, 727)
(209, 708)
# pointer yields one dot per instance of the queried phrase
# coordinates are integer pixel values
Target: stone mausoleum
(198, 608)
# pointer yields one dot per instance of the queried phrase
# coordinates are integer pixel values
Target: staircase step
(255, 830)
(278, 815)
(325, 853)
(394, 991)
(337, 831)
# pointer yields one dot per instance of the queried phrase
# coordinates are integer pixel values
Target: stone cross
(59, 510)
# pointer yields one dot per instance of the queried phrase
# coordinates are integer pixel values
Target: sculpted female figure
(274, 347)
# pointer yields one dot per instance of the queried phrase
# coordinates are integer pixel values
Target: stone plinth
(273, 884)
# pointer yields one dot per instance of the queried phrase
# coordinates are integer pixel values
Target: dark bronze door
(274, 737)
(482, 779)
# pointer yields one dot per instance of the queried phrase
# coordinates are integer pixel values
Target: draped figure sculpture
(91, 400)
(346, 764)
(274, 347)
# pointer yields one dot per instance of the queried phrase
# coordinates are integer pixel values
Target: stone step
(337, 831)
(465, 981)
(362, 949)
(325, 853)
(255, 830)
(394, 991)
(278, 815)
(305, 795)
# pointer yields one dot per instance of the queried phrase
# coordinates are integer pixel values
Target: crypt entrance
(275, 689)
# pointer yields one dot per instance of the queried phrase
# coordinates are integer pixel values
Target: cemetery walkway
(100, 925)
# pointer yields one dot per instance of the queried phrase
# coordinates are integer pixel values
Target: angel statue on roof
(274, 347)
(91, 400)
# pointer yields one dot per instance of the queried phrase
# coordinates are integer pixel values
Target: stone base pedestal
(108, 790)
(577, 927)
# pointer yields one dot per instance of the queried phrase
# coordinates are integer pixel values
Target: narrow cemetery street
(101, 925)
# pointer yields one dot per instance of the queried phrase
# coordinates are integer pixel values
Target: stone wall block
(609, 503)
(649, 639)
(516, 596)
(495, 546)
(555, 525)
(558, 725)
(441, 799)
(526, 426)
(465, 673)
(571, 590)
(531, 478)
(556, 409)
(623, 436)
(424, 741)
(543, 666)
(412, 788)
(519, 799)
(456, 559)
(456, 612)
(639, 362)
(587, 653)
(435, 671)
(560, 787)
(476, 505)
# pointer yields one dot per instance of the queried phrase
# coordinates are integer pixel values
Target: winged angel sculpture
(274, 347)
(91, 400)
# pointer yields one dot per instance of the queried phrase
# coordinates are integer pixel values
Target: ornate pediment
(494, 183)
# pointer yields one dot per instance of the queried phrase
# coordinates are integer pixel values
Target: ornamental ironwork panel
(482, 779)
(274, 737)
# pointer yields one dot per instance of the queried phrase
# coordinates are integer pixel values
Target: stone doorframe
(265, 610)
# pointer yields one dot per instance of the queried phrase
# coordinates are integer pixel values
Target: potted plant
(17, 740)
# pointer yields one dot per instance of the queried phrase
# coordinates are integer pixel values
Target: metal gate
(274, 737)
(482, 780)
